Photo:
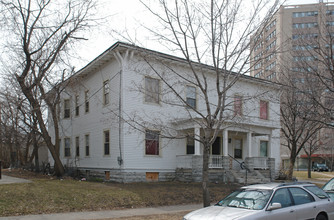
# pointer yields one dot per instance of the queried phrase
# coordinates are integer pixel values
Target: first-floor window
(190, 145)
(238, 148)
(87, 144)
(152, 142)
(106, 143)
(77, 147)
(67, 147)
(263, 148)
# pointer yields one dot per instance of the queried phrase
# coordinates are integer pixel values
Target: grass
(325, 176)
(45, 195)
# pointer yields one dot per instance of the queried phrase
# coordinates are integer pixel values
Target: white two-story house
(118, 119)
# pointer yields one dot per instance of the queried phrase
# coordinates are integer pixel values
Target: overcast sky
(127, 15)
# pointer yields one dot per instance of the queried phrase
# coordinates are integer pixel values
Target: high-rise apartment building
(298, 42)
(288, 39)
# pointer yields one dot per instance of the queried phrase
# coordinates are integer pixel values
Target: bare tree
(313, 145)
(41, 33)
(216, 33)
(300, 114)
(308, 100)
(13, 132)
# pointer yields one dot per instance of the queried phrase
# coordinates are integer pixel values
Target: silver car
(329, 188)
(271, 201)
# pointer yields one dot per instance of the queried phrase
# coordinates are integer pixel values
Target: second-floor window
(86, 101)
(77, 105)
(106, 142)
(67, 109)
(264, 110)
(191, 96)
(152, 90)
(106, 92)
(237, 105)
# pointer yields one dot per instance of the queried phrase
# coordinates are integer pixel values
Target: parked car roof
(274, 185)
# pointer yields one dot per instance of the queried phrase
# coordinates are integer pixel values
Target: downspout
(120, 158)
(119, 59)
(122, 60)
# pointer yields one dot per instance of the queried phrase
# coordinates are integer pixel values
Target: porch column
(225, 142)
(269, 145)
(197, 143)
(249, 143)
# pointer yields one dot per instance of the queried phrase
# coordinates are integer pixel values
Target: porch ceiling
(256, 128)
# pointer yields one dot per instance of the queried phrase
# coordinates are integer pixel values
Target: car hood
(219, 212)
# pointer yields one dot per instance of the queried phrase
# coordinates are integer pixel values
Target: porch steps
(252, 177)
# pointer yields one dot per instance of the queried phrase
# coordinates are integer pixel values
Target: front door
(215, 148)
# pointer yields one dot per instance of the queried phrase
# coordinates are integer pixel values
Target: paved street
(8, 180)
(107, 214)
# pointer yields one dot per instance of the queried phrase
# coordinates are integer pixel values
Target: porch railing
(186, 161)
(216, 161)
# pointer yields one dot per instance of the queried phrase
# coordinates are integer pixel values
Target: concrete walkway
(9, 180)
(107, 214)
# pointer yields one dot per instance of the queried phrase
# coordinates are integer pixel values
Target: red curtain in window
(237, 105)
(264, 110)
(152, 147)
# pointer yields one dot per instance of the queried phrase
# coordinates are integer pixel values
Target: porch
(223, 162)
(226, 169)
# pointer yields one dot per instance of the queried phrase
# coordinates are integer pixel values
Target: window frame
(77, 106)
(67, 109)
(238, 105)
(87, 101)
(262, 116)
(67, 154)
(152, 99)
(87, 146)
(106, 143)
(77, 146)
(241, 148)
(190, 145)
(157, 139)
(106, 92)
(267, 148)
(191, 101)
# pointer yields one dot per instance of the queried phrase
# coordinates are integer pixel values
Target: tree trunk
(205, 176)
(309, 166)
(291, 165)
(53, 148)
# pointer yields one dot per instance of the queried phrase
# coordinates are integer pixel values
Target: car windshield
(321, 165)
(247, 199)
(329, 186)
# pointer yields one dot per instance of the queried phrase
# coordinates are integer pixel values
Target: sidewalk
(107, 214)
(8, 180)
